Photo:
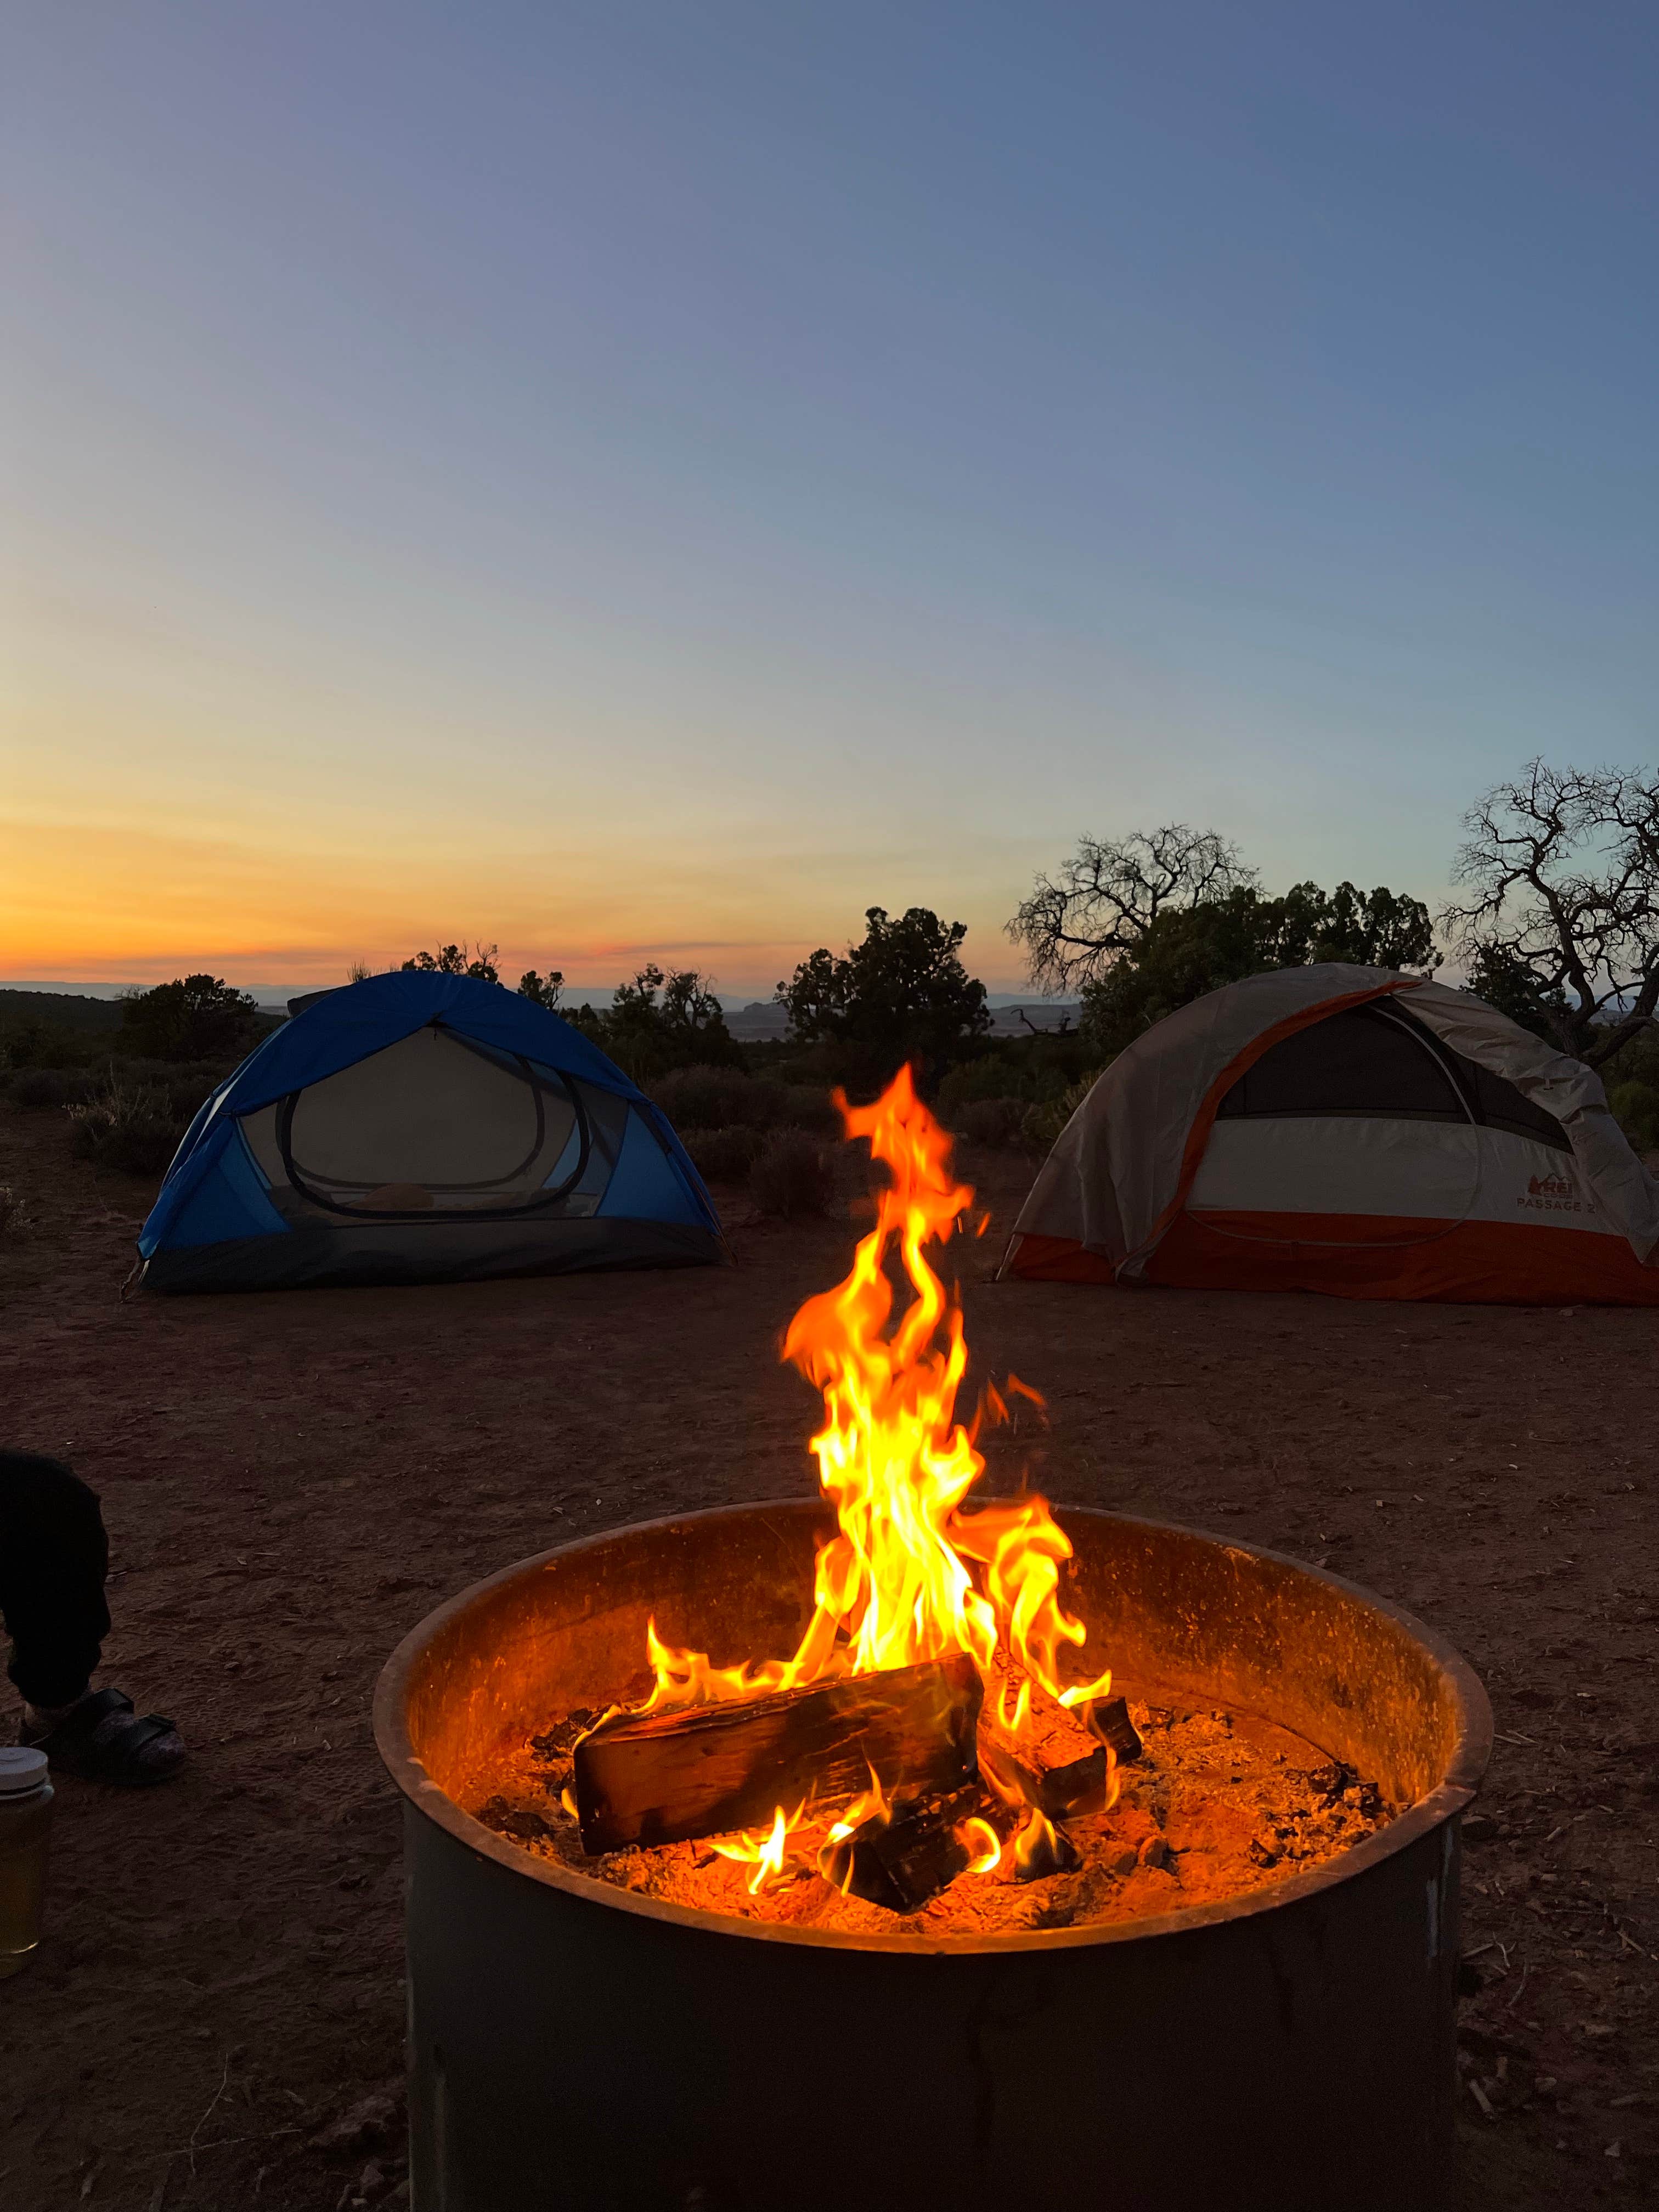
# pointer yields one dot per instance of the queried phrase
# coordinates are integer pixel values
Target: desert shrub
(969, 1084)
(794, 1174)
(41, 1089)
(130, 1126)
(718, 1098)
(710, 1098)
(807, 1107)
(1636, 1107)
(992, 1121)
(722, 1155)
(1043, 1122)
(53, 1018)
(13, 1222)
(185, 1086)
(60, 1037)
(1036, 1070)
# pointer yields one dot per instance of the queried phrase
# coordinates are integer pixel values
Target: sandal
(92, 1742)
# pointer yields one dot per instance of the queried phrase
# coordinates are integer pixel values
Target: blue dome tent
(420, 1129)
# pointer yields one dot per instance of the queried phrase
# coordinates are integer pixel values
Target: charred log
(900, 1864)
(661, 1778)
(1111, 1722)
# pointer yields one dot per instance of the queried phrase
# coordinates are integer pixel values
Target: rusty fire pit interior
(576, 2044)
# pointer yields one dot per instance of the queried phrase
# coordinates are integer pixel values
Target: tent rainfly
(1352, 1131)
(418, 1128)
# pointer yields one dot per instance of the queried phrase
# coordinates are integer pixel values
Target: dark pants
(53, 1556)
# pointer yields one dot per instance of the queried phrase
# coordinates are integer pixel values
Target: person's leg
(53, 1558)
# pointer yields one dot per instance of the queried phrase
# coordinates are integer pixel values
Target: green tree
(902, 994)
(663, 1020)
(1379, 928)
(546, 990)
(1189, 949)
(192, 1018)
(482, 965)
(455, 960)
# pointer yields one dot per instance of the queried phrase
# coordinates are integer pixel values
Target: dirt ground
(292, 1481)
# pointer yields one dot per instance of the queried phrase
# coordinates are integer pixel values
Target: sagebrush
(130, 1126)
(793, 1175)
(722, 1155)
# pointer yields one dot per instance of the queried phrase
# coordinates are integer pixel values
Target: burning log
(1052, 1757)
(1017, 1778)
(903, 1861)
(661, 1778)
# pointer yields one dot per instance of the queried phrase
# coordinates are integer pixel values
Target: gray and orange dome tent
(1353, 1131)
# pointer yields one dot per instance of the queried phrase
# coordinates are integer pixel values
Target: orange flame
(1037, 1847)
(834, 1864)
(763, 1853)
(980, 1838)
(909, 1574)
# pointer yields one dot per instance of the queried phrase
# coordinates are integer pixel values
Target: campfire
(679, 1794)
(940, 1722)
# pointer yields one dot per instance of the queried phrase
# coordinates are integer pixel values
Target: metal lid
(21, 1769)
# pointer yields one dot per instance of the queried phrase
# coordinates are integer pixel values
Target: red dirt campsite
(291, 1481)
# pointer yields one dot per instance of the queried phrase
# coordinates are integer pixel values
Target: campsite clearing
(293, 1479)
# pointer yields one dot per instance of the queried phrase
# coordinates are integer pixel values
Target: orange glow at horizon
(96, 903)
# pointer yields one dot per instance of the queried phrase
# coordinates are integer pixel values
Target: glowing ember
(911, 1575)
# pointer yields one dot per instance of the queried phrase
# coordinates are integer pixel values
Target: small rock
(1156, 1852)
(365, 2126)
(1262, 1854)
(1479, 1828)
(373, 2183)
(1123, 1862)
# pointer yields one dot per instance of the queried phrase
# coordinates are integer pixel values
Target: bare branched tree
(1560, 922)
(1105, 898)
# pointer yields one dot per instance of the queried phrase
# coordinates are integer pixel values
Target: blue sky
(657, 479)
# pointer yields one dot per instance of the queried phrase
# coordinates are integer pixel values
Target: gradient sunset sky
(655, 479)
